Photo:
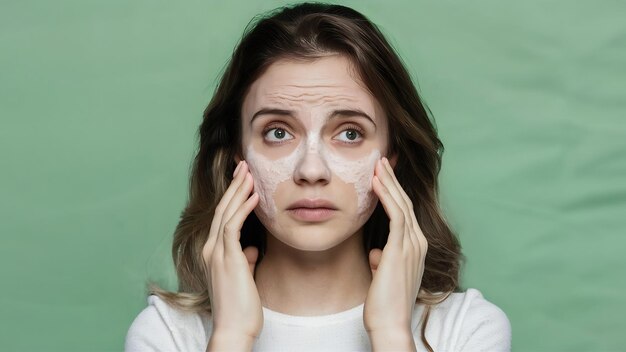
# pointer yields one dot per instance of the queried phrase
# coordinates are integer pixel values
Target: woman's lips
(312, 214)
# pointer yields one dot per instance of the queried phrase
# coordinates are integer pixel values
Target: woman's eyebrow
(333, 114)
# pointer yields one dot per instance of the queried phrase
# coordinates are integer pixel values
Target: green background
(100, 102)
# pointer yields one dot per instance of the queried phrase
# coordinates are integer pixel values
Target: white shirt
(465, 321)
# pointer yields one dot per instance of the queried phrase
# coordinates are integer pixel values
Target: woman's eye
(277, 134)
(349, 135)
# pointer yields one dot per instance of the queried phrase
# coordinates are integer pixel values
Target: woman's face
(312, 133)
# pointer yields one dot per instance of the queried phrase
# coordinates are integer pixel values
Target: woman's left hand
(398, 269)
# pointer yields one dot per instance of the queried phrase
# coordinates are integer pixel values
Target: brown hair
(307, 31)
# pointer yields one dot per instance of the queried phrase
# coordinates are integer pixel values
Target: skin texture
(314, 157)
(313, 268)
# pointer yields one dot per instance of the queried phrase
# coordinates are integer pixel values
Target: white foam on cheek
(268, 174)
(358, 172)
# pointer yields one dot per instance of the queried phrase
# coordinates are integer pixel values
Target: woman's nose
(312, 168)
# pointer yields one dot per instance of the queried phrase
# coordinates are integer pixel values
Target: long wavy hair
(308, 31)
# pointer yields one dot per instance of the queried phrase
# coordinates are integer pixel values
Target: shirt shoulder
(161, 327)
(466, 321)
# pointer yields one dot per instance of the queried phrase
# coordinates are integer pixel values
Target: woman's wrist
(230, 341)
(392, 340)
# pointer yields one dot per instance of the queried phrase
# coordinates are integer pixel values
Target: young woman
(313, 221)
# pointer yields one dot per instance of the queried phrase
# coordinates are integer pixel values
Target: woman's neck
(308, 283)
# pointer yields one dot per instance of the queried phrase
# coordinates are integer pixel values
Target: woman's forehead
(326, 83)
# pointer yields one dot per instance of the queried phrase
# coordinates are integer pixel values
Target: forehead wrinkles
(305, 101)
(309, 97)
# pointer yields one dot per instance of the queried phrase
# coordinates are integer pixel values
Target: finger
(387, 179)
(217, 222)
(405, 197)
(404, 201)
(237, 169)
(232, 228)
(417, 233)
(240, 194)
(396, 217)
(238, 178)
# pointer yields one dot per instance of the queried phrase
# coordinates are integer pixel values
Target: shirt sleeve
(485, 328)
(149, 332)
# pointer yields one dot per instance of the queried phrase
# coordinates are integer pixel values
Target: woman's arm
(393, 340)
(230, 342)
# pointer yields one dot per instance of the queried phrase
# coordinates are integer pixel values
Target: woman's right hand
(235, 302)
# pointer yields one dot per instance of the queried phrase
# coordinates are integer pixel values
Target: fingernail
(385, 160)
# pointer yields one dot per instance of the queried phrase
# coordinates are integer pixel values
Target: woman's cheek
(266, 208)
(267, 175)
(358, 173)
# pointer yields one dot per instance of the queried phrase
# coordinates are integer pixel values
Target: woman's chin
(312, 236)
(311, 242)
